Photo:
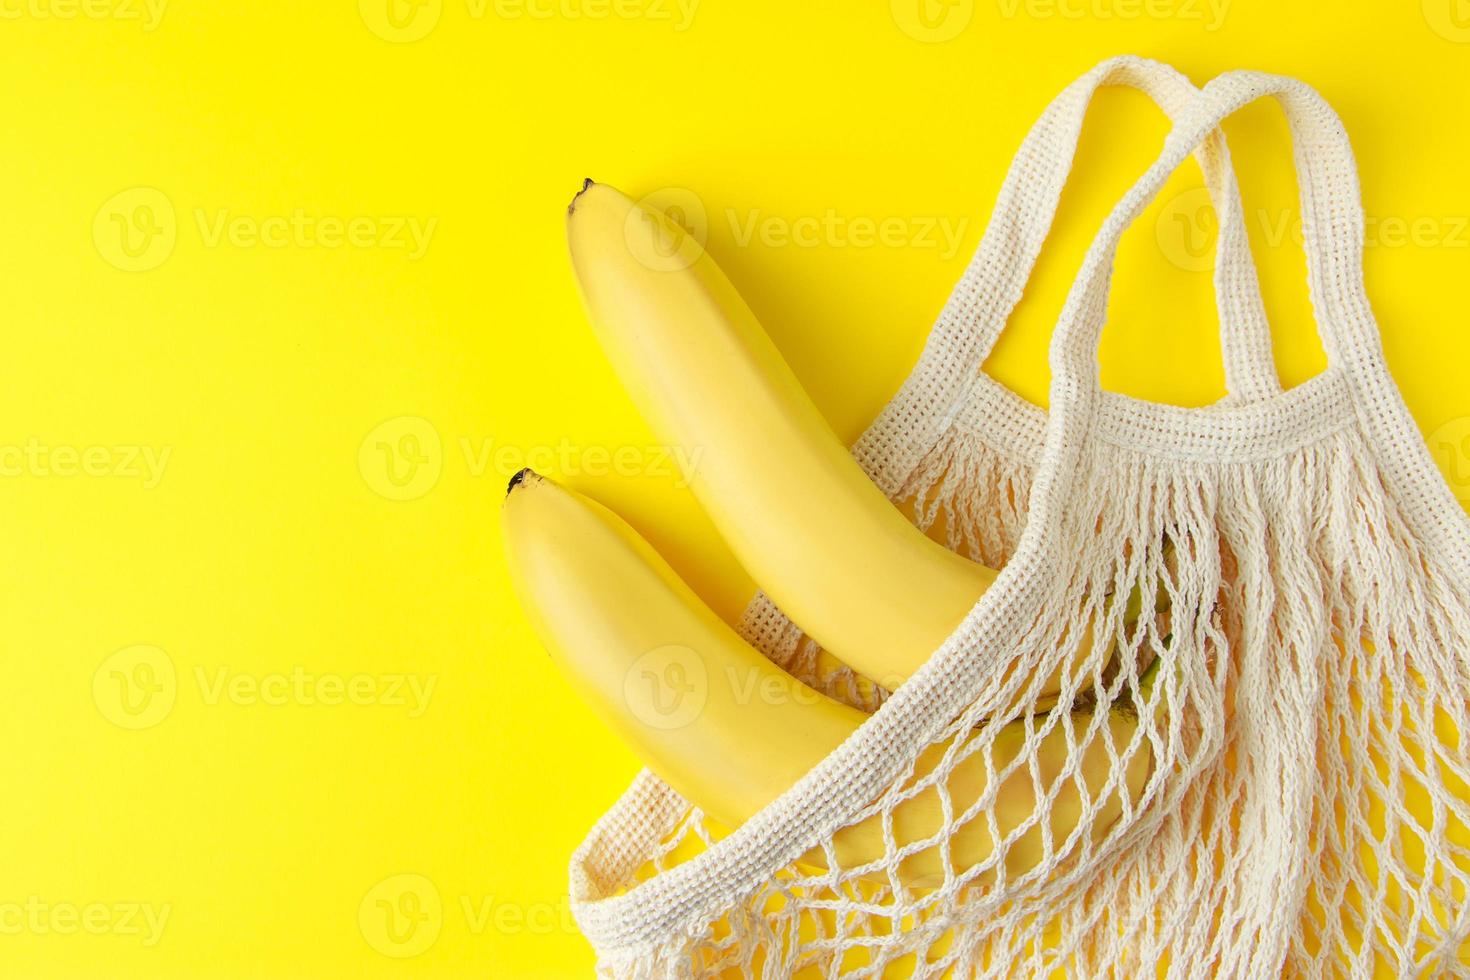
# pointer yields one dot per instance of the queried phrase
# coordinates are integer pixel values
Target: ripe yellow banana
(730, 730)
(800, 514)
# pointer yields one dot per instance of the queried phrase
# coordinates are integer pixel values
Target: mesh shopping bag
(1268, 775)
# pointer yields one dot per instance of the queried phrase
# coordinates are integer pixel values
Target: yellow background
(143, 767)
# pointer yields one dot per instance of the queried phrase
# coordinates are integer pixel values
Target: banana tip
(518, 479)
(587, 182)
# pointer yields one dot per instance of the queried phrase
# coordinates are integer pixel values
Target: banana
(799, 513)
(731, 731)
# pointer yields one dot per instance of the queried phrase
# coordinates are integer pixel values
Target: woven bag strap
(996, 278)
(994, 282)
(1333, 235)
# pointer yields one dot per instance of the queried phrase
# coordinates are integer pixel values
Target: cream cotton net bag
(1298, 715)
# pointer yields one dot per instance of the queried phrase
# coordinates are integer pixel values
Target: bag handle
(1333, 233)
(996, 278)
(1332, 225)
